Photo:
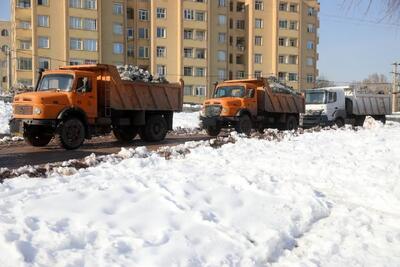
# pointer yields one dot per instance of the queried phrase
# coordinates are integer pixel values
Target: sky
(353, 43)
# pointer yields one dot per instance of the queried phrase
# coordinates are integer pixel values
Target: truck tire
(125, 134)
(359, 121)
(155, 129)
(244, 125)
(292, 123)
(36, 138)
(339, 122)
(213, 130)
(71, 133)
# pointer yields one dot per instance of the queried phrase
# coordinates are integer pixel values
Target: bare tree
(391, 8)
(322, 82)
(376, 83)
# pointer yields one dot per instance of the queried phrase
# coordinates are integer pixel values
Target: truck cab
(325, 107)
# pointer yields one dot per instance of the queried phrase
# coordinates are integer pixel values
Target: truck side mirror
(250, 93)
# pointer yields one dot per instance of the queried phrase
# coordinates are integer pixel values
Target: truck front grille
(23, 110)
(213, 110)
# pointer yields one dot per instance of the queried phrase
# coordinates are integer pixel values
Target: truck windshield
(230, 91)
(61, 82)
(315, 97)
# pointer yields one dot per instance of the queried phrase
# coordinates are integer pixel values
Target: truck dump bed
(275, 98)
(368, 104)
(117, 94)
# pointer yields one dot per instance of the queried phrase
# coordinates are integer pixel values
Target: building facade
(5, 45)
(200, 41)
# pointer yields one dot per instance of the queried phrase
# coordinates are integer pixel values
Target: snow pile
(8, 139)
(5, 116)
(134, 73)
(326, 198)
(186, 120)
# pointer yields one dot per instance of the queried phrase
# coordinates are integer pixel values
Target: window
(118, 29)
(310, 45)
(200, 72)
(293, 59)
(257, 58)
(240, 74)
(161, 32)
(75, 3)
(90, 45)
(90, 24)
(130, 33)
(143, 33)
(282, 41)
(293, 42)
(130, 13)
(221, 74)
(75, 44)
(75, 23)
(310, 28)
(43, 42)
(188, 14)
(24, 24)
(222, 38)
(143, 52)
(89, 4)
(187, 71)
(161, 70)
(257, 74)
(74, 62)
(282, 76)
(293, 7)
(258, 40)
(221, 55)
(240, 24)
(200, 91)
(188, 34)
(161, 13)
(221, 19)
(43, 21)
(311, 11)
(188, 52)
(188, 90)
(118, 48)
(43, 2)
(44, 63)
(332, 97)
(259, 5)
(293, 25)
(200, 35)
(282, 6)
(259, 23)
(200, 16)
(118, 9)
(130, 52)
(24, 3)
(161, 51)
(24, 45)
(143, 14)
(200, 53)
(283, 24)
(282, 59)
(25, 63)
(292, 77)
(310, 78)
(310, 61)
(221, 3)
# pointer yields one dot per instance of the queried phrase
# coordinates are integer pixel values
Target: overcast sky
(352, 43)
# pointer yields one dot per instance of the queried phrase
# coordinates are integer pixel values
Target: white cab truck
(343, 105)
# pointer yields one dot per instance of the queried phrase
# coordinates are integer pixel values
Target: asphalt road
(15, 155)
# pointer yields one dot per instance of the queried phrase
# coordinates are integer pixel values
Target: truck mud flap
(16, 127)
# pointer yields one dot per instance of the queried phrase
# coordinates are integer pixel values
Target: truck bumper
(17, 126)
(308, 121)
(218, 121)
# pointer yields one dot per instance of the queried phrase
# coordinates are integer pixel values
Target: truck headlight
(225, 110)
(37, 111)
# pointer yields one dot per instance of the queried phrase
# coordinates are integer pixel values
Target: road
(15, 155)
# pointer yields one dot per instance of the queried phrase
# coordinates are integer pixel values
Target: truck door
(86, 95)
(251, 100)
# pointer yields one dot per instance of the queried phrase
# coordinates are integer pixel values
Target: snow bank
(187, 120)
(5, 116)
(327, 198)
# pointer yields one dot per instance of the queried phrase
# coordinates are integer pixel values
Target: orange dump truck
(251, 104)
(76, 103)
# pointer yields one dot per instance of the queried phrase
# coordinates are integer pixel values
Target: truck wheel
(292, 123)
(37, 139)
(359, 121)
(213, 130)
(72, 134)
(155, 129)
(339, 123)
(125, 134)
(244, 125)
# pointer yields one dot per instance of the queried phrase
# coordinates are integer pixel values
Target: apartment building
(5, 44)
(200, 41)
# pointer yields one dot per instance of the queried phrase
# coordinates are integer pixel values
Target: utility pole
(395, 85)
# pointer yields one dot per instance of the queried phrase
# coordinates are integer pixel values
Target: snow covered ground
(330, 198)
(187, 120)
(5, 116)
